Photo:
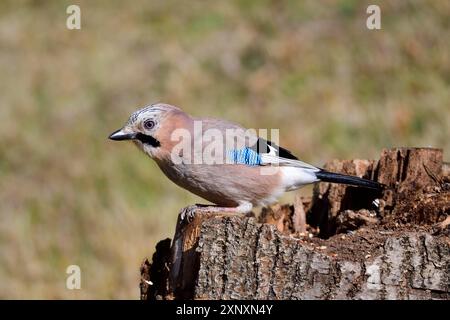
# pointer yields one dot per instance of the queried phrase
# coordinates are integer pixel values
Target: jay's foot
(188, 213)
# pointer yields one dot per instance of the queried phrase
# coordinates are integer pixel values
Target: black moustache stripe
(148, 140)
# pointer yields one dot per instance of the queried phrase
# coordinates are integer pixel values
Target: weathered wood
(446, 172)
(241, 259)
(299, 218)
(398, 249)
(155, 275)
(407, 172)
(410, 169)
(329, 198)
(238, 258)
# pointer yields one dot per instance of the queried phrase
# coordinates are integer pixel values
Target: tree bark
(241, 259)
(397, 248)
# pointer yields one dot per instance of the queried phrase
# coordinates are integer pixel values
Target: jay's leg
(188, 213)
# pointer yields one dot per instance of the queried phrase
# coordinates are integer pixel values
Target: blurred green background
(69, 196)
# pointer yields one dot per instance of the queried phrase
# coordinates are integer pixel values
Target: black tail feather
(327, 176)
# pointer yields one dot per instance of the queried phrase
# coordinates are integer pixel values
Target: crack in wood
(240, 258)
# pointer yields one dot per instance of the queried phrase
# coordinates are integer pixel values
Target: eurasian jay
(235, 175)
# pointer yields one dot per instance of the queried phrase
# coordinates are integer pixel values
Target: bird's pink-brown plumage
(235, 187)
(227, 185)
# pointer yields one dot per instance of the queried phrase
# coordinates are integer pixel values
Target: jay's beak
(120, 135)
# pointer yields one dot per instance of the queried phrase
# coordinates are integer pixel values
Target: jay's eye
(149, 124)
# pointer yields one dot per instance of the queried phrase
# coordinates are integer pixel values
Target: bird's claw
(187, 214)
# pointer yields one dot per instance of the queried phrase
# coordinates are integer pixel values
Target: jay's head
(150, 127)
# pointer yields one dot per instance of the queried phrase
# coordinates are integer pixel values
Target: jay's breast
(226, 184)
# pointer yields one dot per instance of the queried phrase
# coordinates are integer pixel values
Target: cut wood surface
(357, 243)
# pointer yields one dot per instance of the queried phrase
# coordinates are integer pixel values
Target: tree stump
(358, 244)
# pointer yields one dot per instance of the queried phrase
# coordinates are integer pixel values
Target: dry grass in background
(70, 196)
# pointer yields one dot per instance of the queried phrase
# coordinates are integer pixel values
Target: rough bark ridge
(358, 244)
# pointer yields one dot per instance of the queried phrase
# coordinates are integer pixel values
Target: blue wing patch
(245, 156)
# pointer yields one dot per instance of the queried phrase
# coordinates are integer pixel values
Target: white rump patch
(294, 178)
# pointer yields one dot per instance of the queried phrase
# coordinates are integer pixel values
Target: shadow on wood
(357, 243)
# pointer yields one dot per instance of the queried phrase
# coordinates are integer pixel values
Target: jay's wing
(254, 150)
(263, 146)
(272, 154)
(260, 152)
